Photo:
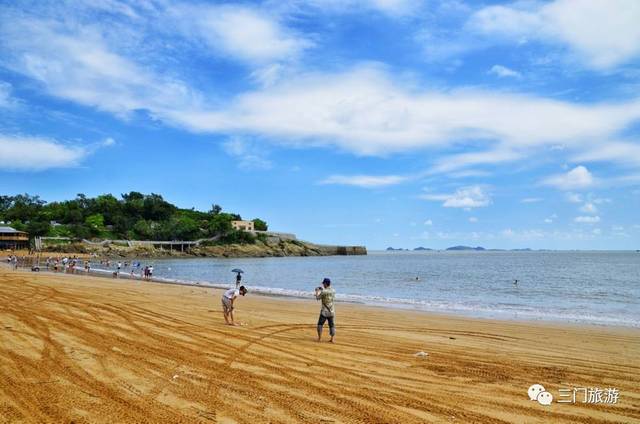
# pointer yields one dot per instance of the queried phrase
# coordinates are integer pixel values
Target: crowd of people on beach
(73, 264)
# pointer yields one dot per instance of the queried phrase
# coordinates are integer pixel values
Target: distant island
(478, 248)
(457, 248)
(146, 225)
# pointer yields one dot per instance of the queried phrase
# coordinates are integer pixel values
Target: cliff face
(258, 250)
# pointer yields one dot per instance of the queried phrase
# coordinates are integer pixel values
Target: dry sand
(81, 349)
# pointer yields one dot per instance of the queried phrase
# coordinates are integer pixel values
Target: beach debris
(175, 376)
(421, 354)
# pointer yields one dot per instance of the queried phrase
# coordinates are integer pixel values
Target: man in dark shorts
(326, 294)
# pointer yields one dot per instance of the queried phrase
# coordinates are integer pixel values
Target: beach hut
(10, 238)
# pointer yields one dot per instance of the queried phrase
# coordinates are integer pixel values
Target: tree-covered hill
(135, 216)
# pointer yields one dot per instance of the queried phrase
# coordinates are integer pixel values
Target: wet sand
(86, 349)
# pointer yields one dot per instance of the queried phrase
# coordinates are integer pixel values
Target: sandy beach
(86, 349)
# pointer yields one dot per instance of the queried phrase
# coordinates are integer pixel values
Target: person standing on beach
(238, 279)
(228, 299)
(326, 294)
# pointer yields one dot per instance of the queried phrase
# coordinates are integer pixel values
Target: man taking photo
(326, 294)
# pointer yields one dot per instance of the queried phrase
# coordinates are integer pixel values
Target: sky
(368, 122)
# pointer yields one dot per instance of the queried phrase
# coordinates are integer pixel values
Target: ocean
(598, 287)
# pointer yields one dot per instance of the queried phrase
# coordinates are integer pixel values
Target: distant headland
(146, 225)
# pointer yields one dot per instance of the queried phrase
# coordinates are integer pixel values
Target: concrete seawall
(340, 250)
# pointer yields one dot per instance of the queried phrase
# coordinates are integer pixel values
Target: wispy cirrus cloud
(23, 153)
(392, 8)
(504, 72)
(6, 99)
(589, 208)
(624, 152)
(587, 219)
(78, 64)
(247, 155)
(365, 181)
(531, 200)
(247, 33)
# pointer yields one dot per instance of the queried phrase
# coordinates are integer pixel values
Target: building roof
(4, 229)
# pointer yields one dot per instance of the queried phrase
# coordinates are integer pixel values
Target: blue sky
(379, 122)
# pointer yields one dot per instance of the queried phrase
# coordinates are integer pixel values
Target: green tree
(220, 224)
(95, 224)
(143, 230)
(260, 225)
(184, 228)
(157, 209)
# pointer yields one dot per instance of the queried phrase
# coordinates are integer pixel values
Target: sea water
(582, 287)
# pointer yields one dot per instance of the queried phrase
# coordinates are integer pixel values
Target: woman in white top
(228, 298)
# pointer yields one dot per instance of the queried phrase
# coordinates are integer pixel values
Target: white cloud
(473, 219)
(587, 219)
(20, 153)
(394, 8)
(242, 32)
(246, 155)
(504, 72)
(617, 151)
(366, 109)
(428, 222)
(589, 208)
(466, 197)
(548, 221)
(78, 65)
(108, 142)
(531, 200)
(462, 160)
(366, 112)
(601, 33)
(6, 100)
(577, 178)
(365, 181)
(268, 75)
(599, 200)
(574, 197)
